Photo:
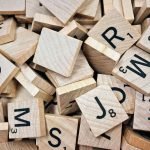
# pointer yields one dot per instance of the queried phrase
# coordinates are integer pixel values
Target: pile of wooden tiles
(74, 74)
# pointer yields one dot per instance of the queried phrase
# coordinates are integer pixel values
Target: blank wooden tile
(61, 133)
(145, 24)
(66, 95)
(26, 119)
(136, 139)
(89, 8)
(124, 93)
(63, 9)
(108, 5)
(100, 107)
(137, 4)
(115, 32)
(18, 145)
(143, 12)
(125, 145)
(74, 29)
(138, 28)
(3, 132)
(41, 20)
(22, 48)
(134, 68)
(144, 42)
(57, 52)
(128, 10)
(33, 7)
(8, 71)
(37, 67)
(102, 58)
(10, 7)
(31, 88)
(118, 5)
(7, 31)
(37, 80)
(142, 112)
(1, 112)
(81, 71)
(106, 141)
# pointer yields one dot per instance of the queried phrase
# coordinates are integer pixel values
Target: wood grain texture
(145, 24)
(66, 95)
(68, 132)
(134, 68)
(138, 28)
(126, 146)
(3, 132)
(124, 30)
(6, 75)
(11, 7)
(97, 105)
(37, 80)
(63, 9)
(143, 12)
(108, 5)
(57, 52)
(89, 8)
(7, 31)
(124, 93)
(1, 112)
(142, 112)
(144, 42)
(128, 10)
(18, 145)
(118, 5)
(22, 48)
(31, 88)
(100, 57)
(81, 71)
(74, 29)
(41, 20)
(35, 116)
(33, 7)
(106, 141)
(136, 140)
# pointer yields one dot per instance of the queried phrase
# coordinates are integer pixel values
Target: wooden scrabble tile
(81, 71)
(1, 18)
(31, 88)
(115, 32)
(143, 12)
(57, 52)
(3, 132)
(107, 140)
(138, 28)
(124, 93)
(37, 67)
(128, 10)
(67, 94)
(7, 71)
(136, 139)
(26, 119)
(37, 80)
(100, 107)
(61, 133)
(89, 8)
(133, 69)
(33, 7)
(100, 57)
(1, 112)
(23, 19)
(18, 145)
(88, 21)
(74, 29)
(22, 48)
(66, 8)
(108, 5)
(41, 20)
(142, 112)
(144, 42)
(7, 9)
(125, 145)
(10, 90)
(145, 24)
(118, 5)
(7, 31)
(81, 147)
(137, 4)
